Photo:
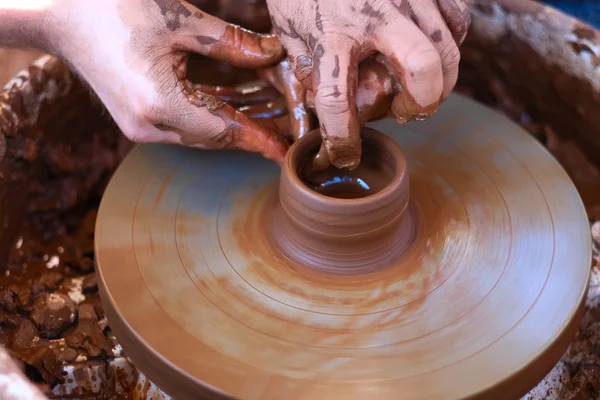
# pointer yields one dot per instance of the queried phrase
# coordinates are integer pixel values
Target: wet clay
(376, 171)
(324, 307)
(505, 70)
(324, 214)
(374, 96)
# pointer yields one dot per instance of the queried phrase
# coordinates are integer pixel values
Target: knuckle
(143, 117)
(222, 138)
(303, 66)
(332, 99)
(462, 17)
(149, 112)
(423, 63)
(450, 56)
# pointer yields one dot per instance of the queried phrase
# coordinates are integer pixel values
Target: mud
(52, 181)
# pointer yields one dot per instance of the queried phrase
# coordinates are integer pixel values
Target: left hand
(133, 53)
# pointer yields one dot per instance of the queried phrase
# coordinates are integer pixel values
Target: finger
(199, 120)
(225, 42)
(374, 93)
(310, 101)
(270, 75)
(240, 132)
(457, 16)
(434, 27)
(295, 97)
(283, 127)
(279, 125)
(415, 64)
(334, 79)
(272, 109)
(247, 93)
(298, 55)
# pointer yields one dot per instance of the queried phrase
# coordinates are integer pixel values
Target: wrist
(52, 30)
(23, 23)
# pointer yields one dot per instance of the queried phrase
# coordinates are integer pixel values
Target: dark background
(585, 10)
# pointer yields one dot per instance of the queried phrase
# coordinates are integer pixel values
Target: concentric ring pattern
(483, 302)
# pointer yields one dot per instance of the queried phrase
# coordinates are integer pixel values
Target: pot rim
(305, 143)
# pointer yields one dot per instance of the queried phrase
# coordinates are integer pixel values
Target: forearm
(23, 23)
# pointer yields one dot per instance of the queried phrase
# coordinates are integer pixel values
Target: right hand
(328, 39)
(133, 53)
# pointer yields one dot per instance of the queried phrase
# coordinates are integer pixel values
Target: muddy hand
(137, 66)
(282, 78)
(327, 39)
(375, 92)
(256, 99)
(244, 94)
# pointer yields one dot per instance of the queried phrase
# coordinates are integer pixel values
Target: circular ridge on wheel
(482, 305)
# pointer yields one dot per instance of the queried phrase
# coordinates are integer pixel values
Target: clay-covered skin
(255, 99)
(295, 95)
(142, 79)
(323, 216)
(248, 93)
(326, 41)
(374, 96)
(527, 84)
(375, 92)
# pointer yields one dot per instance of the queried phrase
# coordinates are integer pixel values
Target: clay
(301, 119)
(245, 94)
(261, 298)
(268, 110)
(251, 14)
(53, 313)
(88, 336)
(534, 81)
(323, 215)
(374, 96)
(236, 48)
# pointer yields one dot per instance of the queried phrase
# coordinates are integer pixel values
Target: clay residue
(270, 267)
(539, 70)
(374, 173)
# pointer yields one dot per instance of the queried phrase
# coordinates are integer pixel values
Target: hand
(133, 53)
(327, 39)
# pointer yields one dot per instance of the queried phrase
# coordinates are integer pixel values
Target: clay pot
(316, 229)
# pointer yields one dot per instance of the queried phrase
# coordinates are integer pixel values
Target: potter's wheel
(482, 305)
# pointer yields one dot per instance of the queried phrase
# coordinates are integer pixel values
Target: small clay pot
(345, 234)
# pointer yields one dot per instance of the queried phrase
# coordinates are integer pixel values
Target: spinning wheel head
(481, 304)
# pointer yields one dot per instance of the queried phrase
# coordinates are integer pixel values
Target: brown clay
(322, 216)
(295, 95)
(374, 96)
(270, 110)
(504, 66)
(244, 94)
(192, 243)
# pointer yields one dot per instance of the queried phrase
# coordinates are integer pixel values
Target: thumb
(217, 39)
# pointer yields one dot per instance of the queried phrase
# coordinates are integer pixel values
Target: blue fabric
(586, 10)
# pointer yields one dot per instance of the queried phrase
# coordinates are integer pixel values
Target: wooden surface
(495, 297)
